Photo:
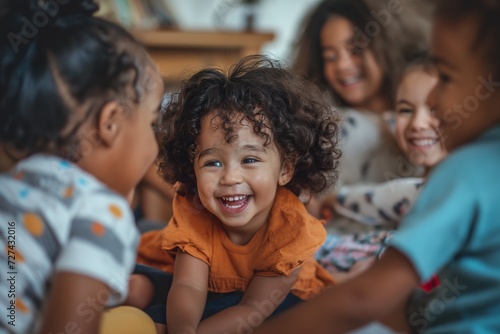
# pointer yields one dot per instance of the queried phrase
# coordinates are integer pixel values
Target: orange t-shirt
(286, 242)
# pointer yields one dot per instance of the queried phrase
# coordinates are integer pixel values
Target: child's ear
(286, 173)
(109, 122)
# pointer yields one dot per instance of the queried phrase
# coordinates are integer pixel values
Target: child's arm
(263, 296)
(367, 297)
(75, 304)
(92, 269)
(187, 297)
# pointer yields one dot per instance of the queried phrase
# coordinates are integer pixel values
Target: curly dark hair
(406, 33)
(489, 25)
(302, 125)
(55, 57)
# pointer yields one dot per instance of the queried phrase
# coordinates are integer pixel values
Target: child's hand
(327, 210)
(322, 207)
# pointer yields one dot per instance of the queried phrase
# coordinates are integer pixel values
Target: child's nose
(344, 60)
(231, 175)
(421, 118)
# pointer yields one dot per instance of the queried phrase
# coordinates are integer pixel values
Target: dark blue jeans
(216, 302)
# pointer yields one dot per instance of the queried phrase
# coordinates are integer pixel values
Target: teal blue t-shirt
(454, 230)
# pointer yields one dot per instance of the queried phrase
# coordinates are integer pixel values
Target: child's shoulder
(48, 183)
(51, 173)
(290, 225)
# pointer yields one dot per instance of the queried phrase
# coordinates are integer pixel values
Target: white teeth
(233, 198)
(351, 80)
(234, 206)
(423, 142)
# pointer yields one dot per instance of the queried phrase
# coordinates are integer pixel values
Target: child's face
(352, 73)
(236, 181)
(137, 148)
(466, 98)
(416, 126)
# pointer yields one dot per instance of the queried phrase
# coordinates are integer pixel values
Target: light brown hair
(406, 33)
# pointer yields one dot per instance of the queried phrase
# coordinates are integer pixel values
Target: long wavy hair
(406, 34)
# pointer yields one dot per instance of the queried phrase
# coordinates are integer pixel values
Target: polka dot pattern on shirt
(98, 230)
(33, 224)
(115, 211)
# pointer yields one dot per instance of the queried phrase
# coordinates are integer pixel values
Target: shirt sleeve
(439, 224)
(102, 243)
(186, 238)
(190, 230)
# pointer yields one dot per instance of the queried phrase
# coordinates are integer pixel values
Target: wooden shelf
(181, 53)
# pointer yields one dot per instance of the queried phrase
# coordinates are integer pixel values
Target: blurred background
(282, 17)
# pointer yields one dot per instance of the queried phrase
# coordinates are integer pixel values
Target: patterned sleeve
(381, 204)
(102, 242)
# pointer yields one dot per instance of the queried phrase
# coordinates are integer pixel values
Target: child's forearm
(326, 314)
(184, 309)
(350, 305)
(237, 319)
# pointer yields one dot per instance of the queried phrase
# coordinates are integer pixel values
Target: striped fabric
(54, 217)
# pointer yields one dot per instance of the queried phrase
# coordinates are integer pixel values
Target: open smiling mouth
(235, 202)
(424, 143)
(350, 81)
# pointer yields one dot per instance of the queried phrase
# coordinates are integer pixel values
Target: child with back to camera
(452, 229)
(256, 138)
(77, 100)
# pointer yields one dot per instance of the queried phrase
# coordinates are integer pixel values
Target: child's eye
(329, 56)
(354, 50)
(444, 78)
(249, 160)
(212, 163)
(405, 111)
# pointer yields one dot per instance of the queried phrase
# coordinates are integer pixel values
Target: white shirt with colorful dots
(55, 217)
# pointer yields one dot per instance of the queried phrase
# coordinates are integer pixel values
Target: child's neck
(241, 238)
